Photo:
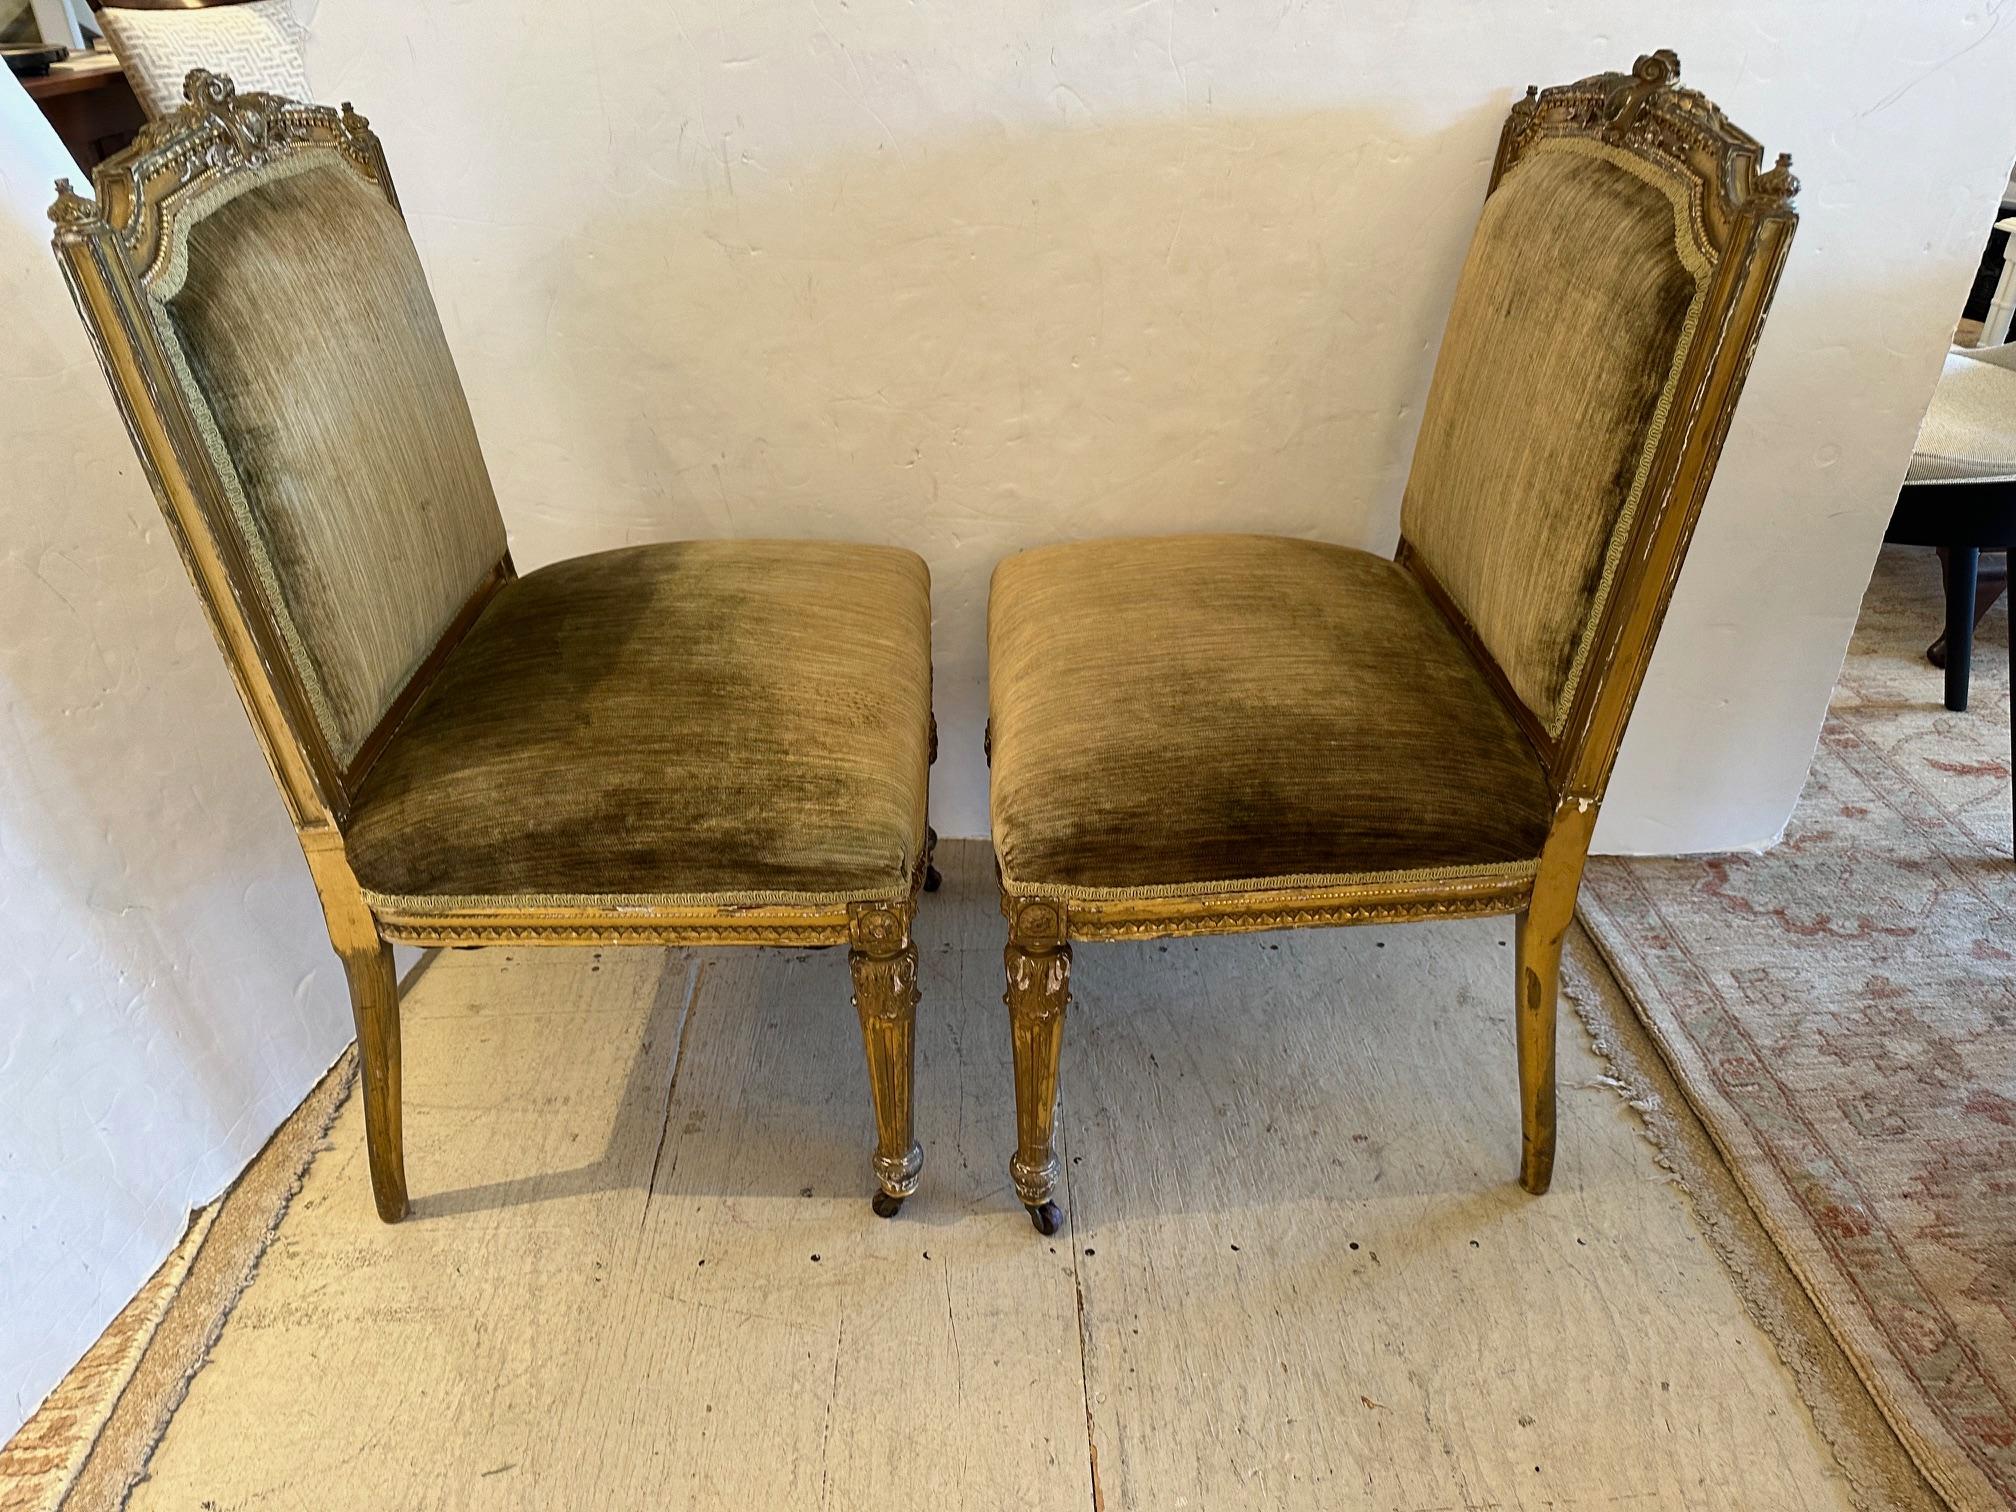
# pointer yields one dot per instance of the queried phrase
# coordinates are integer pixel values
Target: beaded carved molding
(1647, 112)
(602, 929)
(217, 135)
(1282, 907)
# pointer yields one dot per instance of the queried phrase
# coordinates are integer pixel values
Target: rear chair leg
(374, 1001)
(1038, 959)
(1542, 927)
(1539, 967)
(932, 881)
(883, 959)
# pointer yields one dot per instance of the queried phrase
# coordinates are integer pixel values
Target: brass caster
(932, 881)
(886, 1206)
(1047, 1217)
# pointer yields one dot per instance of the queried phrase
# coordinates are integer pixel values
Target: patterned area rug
(1842, 1013)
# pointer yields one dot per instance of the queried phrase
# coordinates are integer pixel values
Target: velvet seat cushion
(696, 722)
(1190, 714)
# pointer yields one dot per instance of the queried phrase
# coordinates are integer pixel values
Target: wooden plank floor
(642, 1270)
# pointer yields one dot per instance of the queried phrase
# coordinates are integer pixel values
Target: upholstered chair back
(1603, 325)
(1571, 319)
(299, 329)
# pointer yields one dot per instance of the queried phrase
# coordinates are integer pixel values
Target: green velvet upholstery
(701, 722)
(1572, 313)
(1173, 715)
(317, 368)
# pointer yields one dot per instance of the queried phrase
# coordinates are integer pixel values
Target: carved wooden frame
(112, 248)
(1743, 220)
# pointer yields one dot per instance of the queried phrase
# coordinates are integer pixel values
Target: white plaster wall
(973, 277)
(167, 991)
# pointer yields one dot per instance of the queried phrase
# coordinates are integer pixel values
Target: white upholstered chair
(1959, 493)
(1969, 431)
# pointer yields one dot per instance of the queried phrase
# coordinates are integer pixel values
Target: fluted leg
(1542, 928)
(374, 1001)
(1038, 959)
(884, 962)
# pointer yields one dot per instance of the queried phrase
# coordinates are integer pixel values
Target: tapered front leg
(1542, 928)
(1038, 959)
(374, 1002)
(883, 959)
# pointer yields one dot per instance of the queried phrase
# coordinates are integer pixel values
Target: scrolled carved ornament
(1649, 112)
(214, 136)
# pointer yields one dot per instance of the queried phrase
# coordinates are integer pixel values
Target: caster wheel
(886, 1206)
(1047, 1217)
(932, 881)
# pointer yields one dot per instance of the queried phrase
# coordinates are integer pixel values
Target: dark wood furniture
(87, 97)
(89, 103)
(1990, 581)
(1964, 520)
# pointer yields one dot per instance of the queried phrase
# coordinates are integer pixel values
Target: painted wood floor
(642, 1271)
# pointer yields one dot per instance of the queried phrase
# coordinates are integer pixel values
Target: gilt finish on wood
(1649, 113)
(1038, 959)
(124, 253)
(883, 959)
(218, 134)
(1732, 221)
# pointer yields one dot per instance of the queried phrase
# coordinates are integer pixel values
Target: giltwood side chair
(718, 742)
(1206, 734)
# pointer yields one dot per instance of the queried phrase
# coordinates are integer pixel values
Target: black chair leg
(1963, 570)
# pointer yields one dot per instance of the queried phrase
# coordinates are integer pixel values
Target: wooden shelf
(87, 100)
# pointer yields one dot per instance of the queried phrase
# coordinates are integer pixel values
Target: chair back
(263, 319)
(1601, 329)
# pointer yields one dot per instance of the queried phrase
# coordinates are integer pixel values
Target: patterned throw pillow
(258, 45)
